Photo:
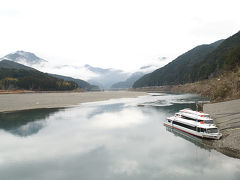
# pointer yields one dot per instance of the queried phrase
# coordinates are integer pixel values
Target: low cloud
(78, 72)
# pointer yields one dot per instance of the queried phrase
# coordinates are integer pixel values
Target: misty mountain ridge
(23, 57)
(102, 77)
(86, 72)
(97, 69)
(128, 83)
(7, 64)
(14, 68)
(133, 77)
(17, 76)
(152, 66)
(81, 83)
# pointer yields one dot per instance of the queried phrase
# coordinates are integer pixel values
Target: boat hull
(205, 136)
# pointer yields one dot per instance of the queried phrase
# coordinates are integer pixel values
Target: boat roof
(194, 114)
(190, 111)
(196, 117)
(193, 123)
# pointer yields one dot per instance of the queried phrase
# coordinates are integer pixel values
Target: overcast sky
(123, 34)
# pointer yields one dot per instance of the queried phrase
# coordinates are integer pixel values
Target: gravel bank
(14, 102)
(226, 116)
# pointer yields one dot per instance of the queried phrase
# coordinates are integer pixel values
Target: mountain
(102, 77)
(24, 57)
(179, 70)
(23, 77)
(118, 79)
(82, 84)
(226, 57)
(12, 65)
(128, 82)
(17, 59)
(132, 78)
(105, 78)
(97, 69)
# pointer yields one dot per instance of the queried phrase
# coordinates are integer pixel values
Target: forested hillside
(17, 76)
(200, 63)
(224, 58)
(178, 71)
(13, 65)
(81, 83)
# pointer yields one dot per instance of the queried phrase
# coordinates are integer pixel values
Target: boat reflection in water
(202, 143)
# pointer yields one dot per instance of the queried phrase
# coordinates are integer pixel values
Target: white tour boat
(195, 123)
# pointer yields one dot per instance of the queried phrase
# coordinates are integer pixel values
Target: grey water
(112, 140)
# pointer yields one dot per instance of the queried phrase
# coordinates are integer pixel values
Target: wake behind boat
(195, 123)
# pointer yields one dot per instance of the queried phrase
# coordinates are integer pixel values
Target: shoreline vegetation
(223, 88)
(22, 91)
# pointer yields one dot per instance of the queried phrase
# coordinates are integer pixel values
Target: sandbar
(16, 102)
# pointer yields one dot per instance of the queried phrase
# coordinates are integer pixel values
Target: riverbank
(15, 91)
(223, 88)
(226, 116)
(15, 102)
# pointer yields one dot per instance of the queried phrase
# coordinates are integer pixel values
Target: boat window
(201, 130)
(208, 121)
(188, 118)
(184, 125)
(212, 130)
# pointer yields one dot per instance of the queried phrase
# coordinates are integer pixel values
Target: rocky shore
(226, 116)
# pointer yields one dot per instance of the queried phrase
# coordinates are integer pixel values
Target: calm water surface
(112, 140)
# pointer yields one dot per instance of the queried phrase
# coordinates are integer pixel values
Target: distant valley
(86, 76)
(128, 83)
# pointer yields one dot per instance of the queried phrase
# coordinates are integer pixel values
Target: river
(118, 139)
